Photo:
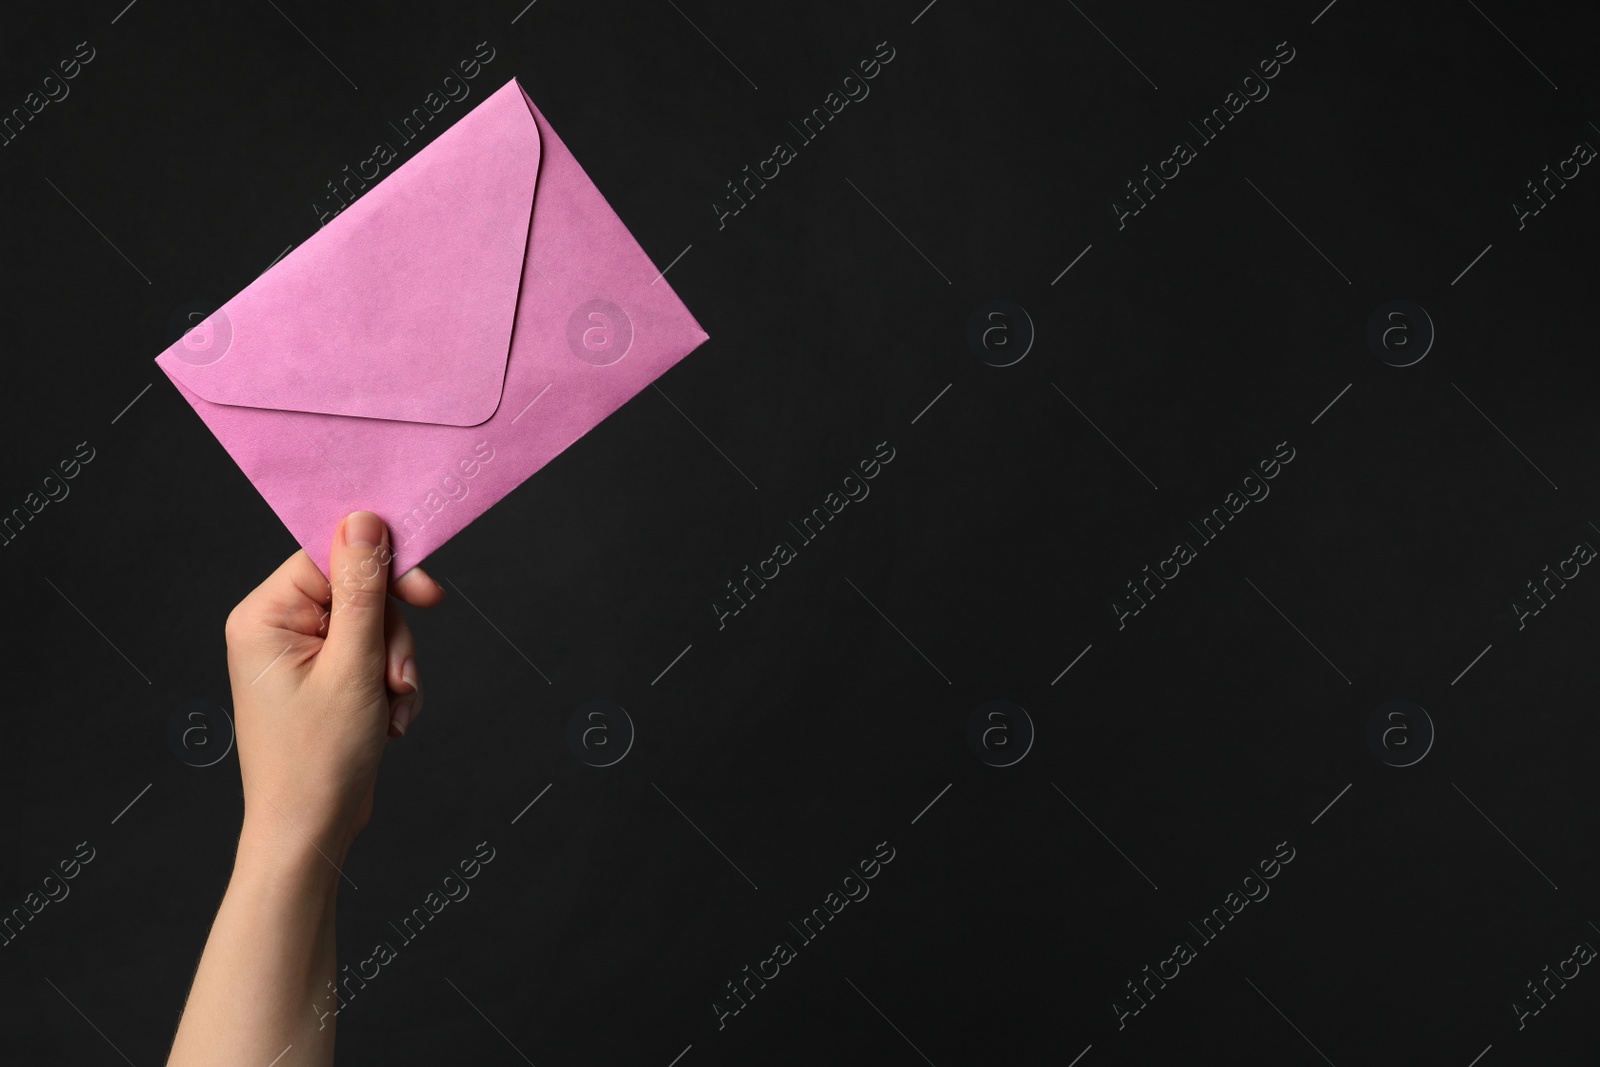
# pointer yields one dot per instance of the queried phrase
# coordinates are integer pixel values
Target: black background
(1175, 754)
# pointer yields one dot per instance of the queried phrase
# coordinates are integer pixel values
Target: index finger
(416, 588)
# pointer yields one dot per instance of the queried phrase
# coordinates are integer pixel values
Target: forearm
(261, 987)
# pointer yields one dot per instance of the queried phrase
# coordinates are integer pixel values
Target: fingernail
(408, 672)
(400, 715)
(363, 529)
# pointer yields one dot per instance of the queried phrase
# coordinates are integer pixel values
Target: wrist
(273, 851)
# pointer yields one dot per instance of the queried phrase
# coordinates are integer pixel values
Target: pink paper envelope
(438, 341)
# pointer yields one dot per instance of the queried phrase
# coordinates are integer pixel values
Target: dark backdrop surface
(1429, 859)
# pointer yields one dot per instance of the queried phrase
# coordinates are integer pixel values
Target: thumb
(359, 571)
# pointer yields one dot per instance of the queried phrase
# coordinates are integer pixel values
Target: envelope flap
(402, 306)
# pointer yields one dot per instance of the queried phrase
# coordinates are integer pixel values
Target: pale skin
(323, 676)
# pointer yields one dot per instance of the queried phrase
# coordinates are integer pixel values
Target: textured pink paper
(483, 300)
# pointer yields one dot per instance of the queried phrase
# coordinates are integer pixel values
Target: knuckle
(358, 595)
(233, 627)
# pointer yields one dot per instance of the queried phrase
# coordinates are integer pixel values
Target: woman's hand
(323, 674)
